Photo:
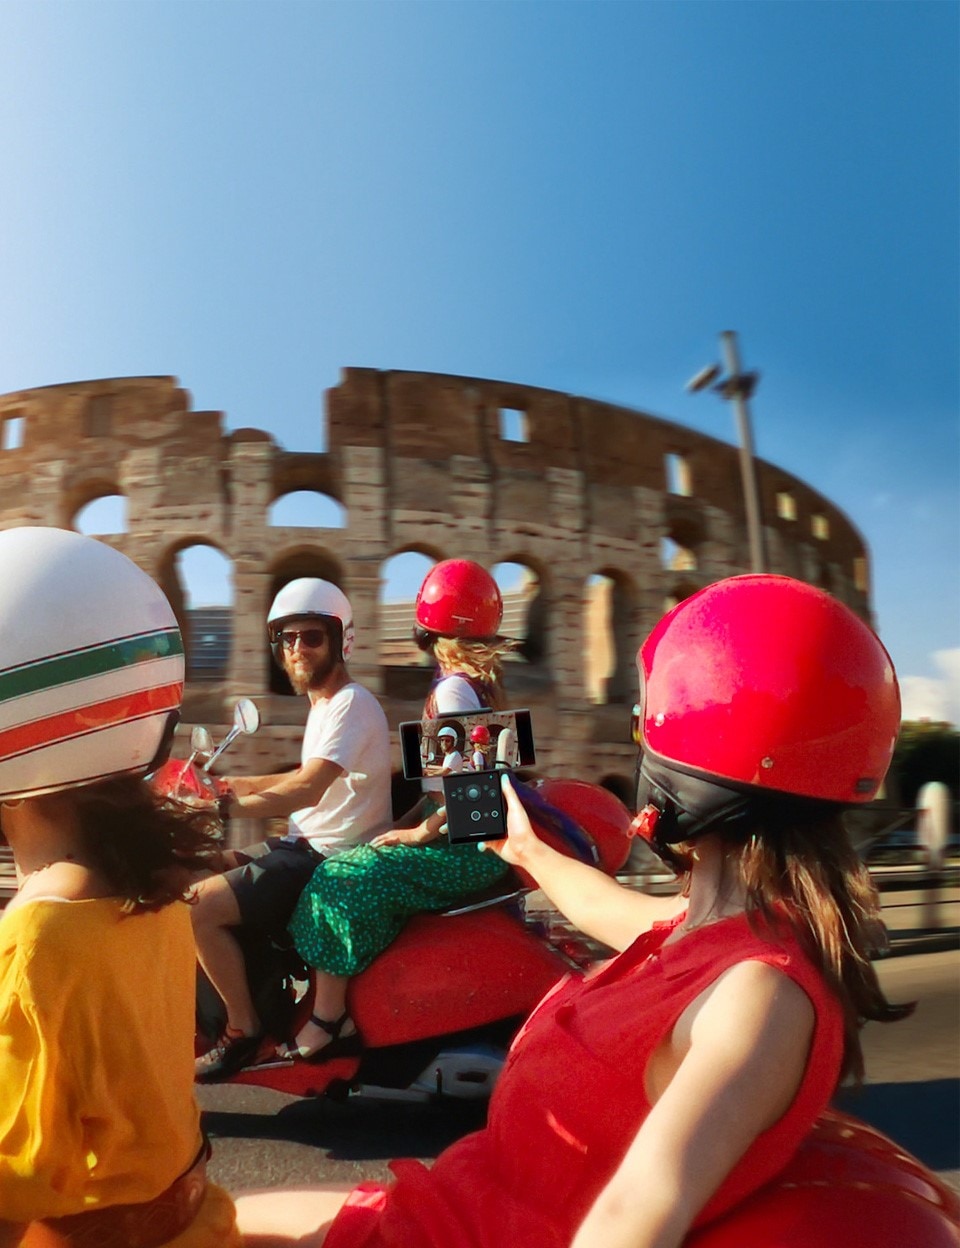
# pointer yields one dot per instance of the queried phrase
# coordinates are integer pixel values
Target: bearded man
(338, 797)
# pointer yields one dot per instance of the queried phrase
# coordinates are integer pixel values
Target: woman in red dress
(646, 1100)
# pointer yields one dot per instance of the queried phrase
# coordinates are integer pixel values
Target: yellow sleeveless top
(96, 1062)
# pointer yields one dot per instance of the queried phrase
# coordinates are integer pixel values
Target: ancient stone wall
(574, 489)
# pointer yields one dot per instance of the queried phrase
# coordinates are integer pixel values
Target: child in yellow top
(100, 1142)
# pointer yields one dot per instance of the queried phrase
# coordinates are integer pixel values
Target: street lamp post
(738, 387)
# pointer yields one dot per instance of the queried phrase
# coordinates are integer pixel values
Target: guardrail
(921, 908)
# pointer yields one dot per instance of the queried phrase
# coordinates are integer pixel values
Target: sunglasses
(309, 638)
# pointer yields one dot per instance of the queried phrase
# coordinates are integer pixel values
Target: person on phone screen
(451, 758)
(480, 740)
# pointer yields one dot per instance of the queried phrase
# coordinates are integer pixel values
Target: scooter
(438, 1009)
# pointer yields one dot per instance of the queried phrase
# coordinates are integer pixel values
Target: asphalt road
(912, 1093)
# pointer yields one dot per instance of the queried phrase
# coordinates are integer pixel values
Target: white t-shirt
(454, 695)
(349, 729)
(452, 762)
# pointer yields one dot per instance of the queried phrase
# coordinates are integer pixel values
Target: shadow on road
(923, 1118)
(356, 1130)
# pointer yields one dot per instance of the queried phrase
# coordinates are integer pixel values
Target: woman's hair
(801, 862)
(480, 660)
(148, 848)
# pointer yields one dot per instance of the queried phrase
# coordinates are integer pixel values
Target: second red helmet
(459, 598)
(767, 682)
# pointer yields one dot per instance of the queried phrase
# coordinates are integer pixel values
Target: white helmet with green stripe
(91, 663)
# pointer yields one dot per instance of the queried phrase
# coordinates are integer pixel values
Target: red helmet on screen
(459, 598)
(480, 735)
(764, 683)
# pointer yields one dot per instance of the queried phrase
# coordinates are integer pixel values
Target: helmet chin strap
(674, 806)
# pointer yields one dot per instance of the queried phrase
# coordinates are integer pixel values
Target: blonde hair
(480, 660)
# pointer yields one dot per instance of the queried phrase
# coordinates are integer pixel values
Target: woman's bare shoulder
(754, 998)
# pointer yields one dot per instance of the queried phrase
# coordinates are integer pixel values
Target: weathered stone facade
(420, 462)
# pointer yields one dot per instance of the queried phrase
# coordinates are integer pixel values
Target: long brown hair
(148, 848)
(807, 869)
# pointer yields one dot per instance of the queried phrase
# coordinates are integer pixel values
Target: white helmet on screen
(91, 663)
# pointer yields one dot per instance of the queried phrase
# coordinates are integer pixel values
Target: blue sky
(251, 196)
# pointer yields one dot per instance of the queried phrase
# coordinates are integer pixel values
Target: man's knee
(215, 904)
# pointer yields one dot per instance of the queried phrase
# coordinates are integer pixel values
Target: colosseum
(612, 514)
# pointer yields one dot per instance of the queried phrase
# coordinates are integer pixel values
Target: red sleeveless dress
(571, 1098)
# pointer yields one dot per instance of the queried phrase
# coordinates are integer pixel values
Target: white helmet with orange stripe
(91, 663)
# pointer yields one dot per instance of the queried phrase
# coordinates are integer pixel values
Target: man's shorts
(269, 880)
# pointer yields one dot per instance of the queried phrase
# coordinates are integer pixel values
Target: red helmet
(458, 598)
(480, 735)
(767, 682)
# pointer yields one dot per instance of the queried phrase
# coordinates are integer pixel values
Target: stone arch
(205, 618)
(683, 536)
(526, 604)
(307, 508)
(678, 588)
(289, 566)
(96, 506)
(609, 605)
(401, 662)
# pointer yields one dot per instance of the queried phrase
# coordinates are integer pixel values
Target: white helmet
(309, 597)
(91, 663)
(447, 732)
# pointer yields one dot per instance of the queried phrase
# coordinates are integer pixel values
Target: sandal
(337, 1046)
(232, 1051)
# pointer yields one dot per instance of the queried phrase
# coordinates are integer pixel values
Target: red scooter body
(848, 1186)
(447, 982)
(439, 1007)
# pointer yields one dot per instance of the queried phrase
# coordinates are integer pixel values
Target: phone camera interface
(475, 808)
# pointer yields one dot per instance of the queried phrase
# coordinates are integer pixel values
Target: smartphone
(447, 745)
(476, 810)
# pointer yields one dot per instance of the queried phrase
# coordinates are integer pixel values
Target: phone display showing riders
(472, 796)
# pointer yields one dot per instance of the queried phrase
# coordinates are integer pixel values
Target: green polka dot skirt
(358, 901)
